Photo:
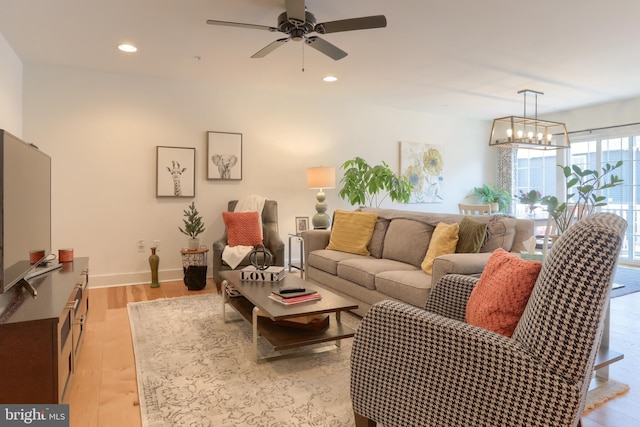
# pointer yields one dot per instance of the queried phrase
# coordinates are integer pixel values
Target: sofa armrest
(314, 240)
(413, 367)
(458, 264)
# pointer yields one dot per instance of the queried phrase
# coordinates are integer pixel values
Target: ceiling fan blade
(241, 25)
(295, 11)
(363, 23)
(270, 48)
(325, 47)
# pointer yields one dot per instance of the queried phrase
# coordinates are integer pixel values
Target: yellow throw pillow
(351, 231)
(443, 241)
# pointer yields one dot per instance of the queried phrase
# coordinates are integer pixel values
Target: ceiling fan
(296, 22)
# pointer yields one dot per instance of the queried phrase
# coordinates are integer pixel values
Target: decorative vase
(194, 244)
(154, 261)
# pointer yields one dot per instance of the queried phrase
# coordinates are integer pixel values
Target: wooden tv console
(40, 337)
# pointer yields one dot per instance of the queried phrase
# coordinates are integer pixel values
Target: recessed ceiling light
(129, 48)
(330, 78)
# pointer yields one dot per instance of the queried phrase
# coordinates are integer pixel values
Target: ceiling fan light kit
(528, 133)
(297, 23)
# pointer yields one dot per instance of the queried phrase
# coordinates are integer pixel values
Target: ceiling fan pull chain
(303, 56)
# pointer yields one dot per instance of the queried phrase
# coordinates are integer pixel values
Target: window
(538, 170)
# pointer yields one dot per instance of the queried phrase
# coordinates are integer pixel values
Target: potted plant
(498, 198)
(193, 226)
(362, 182)
(582, 193)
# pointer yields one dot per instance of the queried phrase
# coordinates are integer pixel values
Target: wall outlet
(141, 245)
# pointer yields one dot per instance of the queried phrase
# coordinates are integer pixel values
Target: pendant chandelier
(529, 133)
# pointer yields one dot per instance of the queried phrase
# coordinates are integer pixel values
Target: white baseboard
(124, 279)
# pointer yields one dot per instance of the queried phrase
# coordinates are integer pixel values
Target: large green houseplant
(362, 183)
(583, 188)
(491, 194)
(193, 226)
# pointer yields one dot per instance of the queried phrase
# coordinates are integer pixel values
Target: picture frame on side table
(302, 224)
(224, 156)
(175, 171)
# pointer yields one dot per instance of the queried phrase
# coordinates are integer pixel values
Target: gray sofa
(398, 246)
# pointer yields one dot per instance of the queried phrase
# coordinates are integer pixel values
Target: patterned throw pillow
(443, 241)
(471, 236)
(243, 228)
(351, 231)
(501, 295)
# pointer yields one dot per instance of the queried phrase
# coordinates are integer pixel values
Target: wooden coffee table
(255, 299)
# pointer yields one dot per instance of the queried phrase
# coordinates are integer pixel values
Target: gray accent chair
(270, 236)
(415, 367)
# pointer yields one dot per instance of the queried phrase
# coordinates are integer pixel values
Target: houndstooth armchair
(428, 368)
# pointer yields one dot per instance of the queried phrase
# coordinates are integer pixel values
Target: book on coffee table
(295, 300)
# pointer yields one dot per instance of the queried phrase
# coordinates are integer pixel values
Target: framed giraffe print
(224, 156)
(175, 172)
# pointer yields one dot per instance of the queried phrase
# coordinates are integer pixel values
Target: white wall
(102, 130)
(10, 89)
(602, 115)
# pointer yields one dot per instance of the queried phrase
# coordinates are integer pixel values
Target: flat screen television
(25, 208)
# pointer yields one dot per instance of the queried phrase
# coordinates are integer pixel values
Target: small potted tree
(583, 187)
(193, 226)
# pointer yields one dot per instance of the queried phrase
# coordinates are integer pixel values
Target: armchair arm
(275, 244)
(450, 295)
(410, 367)
(458, 264)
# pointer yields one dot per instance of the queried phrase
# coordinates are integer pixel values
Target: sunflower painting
(423, 165)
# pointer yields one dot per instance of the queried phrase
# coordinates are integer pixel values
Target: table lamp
(321, 177)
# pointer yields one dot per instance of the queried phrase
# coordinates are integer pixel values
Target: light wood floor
(103, 391)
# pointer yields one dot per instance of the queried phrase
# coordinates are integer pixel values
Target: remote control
(289, 290)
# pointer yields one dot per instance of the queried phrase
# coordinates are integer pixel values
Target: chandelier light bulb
(530, 134)
(520, 133)
(540, 136)
(509, 132)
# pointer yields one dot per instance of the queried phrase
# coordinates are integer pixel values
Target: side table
(298, 238)
(194, 266)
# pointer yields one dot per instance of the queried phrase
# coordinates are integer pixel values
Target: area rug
(194, 369)
(603, 393)
(625, 281)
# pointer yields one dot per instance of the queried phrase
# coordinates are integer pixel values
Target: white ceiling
(454, 57)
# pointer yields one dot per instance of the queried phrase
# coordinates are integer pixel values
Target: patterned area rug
(194, 369)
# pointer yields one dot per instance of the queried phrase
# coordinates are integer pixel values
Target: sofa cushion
(407, 241)
(501, 230)
(364, 270)
(351, 231)
(243, 228)
(501, 295)
(470, 236)
(443, 241)
(377, 238)
(327, 260)
(410, 286)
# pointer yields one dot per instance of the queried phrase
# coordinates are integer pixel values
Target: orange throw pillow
(243, 228)
(501, 295)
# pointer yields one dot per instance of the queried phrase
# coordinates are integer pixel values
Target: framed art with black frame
(224, 156)
(175, 172)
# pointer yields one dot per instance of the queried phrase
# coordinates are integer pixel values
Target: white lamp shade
(321, 177)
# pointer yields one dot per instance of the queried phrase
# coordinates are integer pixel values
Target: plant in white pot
(193, 226)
